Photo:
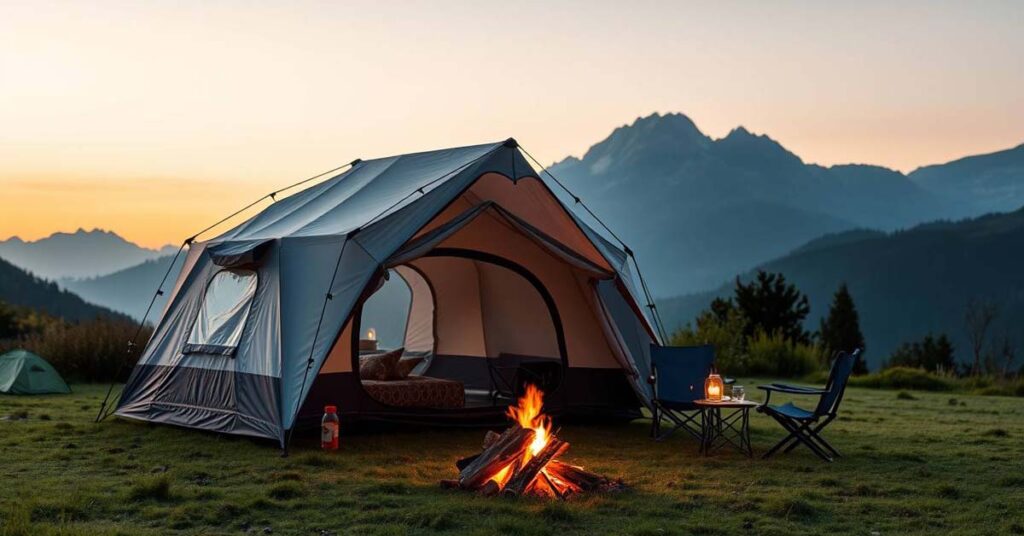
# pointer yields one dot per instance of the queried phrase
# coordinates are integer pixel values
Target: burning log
(506, 449)
(579, 477)
(521, 479)
(523, 459)
(490, 438)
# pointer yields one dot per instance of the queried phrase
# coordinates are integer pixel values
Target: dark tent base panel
(207, 400)
(586, 395)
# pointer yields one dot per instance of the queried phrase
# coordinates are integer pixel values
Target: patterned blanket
(418, 392)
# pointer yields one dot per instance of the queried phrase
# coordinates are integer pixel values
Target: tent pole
(134, 340)
(312, 348)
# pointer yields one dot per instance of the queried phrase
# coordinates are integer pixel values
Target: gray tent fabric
(313, 257)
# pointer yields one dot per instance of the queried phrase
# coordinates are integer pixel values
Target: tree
(840, 330)
(725, 334)
(930, 353)
(771, 305)
(978, 319)
(1008, 352)
(9, 324)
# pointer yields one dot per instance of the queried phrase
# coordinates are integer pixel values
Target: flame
(371, 334)
(528, 414)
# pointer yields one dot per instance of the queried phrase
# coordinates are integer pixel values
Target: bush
(773, 355)
(903, 378)
(91, 351)
(726, 335)
(931, 353)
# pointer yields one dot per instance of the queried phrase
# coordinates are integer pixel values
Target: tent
(25, 373)
(262, 326)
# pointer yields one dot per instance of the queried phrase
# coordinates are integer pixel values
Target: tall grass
(90, 351)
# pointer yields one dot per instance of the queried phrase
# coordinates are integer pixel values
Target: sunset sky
(153, 119)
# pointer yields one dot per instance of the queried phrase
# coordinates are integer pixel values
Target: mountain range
(698, 210)
(130, 290)
(988, 183)
(20, 288)
(905, 284)
(78, 254)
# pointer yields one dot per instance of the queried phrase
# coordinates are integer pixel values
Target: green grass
(925, 466)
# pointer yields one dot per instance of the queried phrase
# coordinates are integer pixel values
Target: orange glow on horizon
(224, 105)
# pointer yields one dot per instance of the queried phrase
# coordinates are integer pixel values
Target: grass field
(914, 463)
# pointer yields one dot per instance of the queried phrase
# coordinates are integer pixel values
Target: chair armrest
(792, 390)
(808, 390)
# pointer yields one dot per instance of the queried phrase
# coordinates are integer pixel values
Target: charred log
(508, 447)
(522, 478)
(578, 476)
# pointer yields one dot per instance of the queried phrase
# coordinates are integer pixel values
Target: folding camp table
(732, 428)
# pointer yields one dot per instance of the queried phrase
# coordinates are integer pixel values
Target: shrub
(903, 378)
(774, 355)
(725, 334)
(931, 353)
(91, 351)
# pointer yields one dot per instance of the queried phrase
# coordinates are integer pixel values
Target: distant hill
(129, 290)
(79, 254)
(18, 287)
(697, 209)
(907, 283)
(988, 183)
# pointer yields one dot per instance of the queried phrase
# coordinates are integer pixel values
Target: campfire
(523, 460)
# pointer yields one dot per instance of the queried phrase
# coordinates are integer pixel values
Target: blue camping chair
(678, 374)
(805, 426)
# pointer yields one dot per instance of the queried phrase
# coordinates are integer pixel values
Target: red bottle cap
(330, 409)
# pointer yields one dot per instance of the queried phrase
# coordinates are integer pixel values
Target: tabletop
(727, 403)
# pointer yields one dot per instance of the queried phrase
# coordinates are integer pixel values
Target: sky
(155, 119)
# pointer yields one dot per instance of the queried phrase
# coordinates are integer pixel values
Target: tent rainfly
(25, 373)
(261, 329)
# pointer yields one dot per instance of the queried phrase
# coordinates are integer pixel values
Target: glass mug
(738, 393)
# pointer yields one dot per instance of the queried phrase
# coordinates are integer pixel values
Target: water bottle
(329, 427)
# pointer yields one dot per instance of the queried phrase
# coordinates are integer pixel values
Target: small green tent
(25, 373)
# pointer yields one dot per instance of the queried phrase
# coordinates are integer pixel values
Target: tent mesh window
(218, 326)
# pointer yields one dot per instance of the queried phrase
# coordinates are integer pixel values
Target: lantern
(713, 387)
(369, 344)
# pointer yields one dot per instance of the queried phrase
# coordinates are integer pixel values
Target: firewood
(554, 488)
(462, 463)
(490, 438)
(490, 489)
(585, 480)
(522, 478)
(509, 447)
(449, 484)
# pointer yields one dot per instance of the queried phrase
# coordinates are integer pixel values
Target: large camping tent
(262, 326)
(25, 373)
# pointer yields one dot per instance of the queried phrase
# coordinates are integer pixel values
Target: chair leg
(815, 435)
(797, 434)
(791, 437)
